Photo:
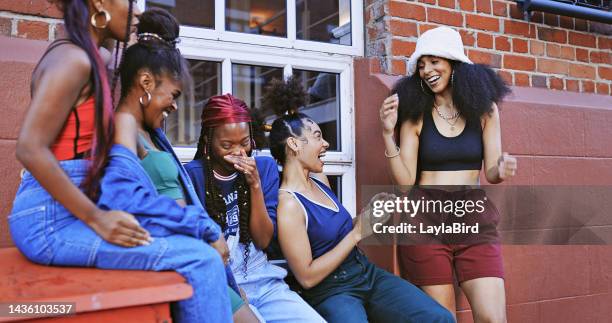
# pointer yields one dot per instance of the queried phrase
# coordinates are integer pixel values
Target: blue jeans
(46, 233)
(358, 291)
(273, 300)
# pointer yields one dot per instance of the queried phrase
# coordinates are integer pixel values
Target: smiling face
(230, 139)
(164, 90)
(435, 72)
(311, 146)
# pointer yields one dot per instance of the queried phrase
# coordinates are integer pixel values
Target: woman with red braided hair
(241, 194)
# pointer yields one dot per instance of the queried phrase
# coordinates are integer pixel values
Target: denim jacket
(126, 186)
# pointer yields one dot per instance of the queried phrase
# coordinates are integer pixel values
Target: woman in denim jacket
(64, 213)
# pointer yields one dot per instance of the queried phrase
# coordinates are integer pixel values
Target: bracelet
(392, 156)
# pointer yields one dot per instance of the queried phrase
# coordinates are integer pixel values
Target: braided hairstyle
(77, 23)
(219, 110)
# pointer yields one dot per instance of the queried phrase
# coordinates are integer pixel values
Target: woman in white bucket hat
(439, 126)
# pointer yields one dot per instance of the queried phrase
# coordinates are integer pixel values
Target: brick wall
(30, 19)
(550, 51)
(25, 28)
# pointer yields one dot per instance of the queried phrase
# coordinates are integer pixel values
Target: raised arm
(295, 244)
(498, 166)
(403, 159)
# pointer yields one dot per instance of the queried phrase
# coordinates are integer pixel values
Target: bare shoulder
(67, 63)
(287, 202)
(68, 57)
(289, 209)
(491, 115)
(126, 130)
(411, 127)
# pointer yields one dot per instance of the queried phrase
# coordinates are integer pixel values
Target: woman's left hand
(506, 166)
(247, 166)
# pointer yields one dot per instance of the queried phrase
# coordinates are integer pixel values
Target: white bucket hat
(442, 42)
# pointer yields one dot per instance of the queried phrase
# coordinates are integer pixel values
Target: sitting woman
(241, 194)
(318, 238)
(72, 203)
(151, 73)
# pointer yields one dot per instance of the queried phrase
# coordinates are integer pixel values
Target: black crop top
(440, 153)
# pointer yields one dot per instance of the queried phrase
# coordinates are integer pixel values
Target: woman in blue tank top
(318, 237)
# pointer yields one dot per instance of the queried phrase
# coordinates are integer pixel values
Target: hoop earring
(142, 104)
(107, 19)
(423, 88)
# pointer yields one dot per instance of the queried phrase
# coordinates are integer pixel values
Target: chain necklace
(454, 116)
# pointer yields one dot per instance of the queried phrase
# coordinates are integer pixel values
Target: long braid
(76, 19)
(201, 145)
(215, 205)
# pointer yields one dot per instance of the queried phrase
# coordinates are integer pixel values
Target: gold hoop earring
(94, 19)
(142, 104)
(423, 88)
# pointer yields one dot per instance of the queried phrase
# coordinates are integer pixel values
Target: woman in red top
(70, 114)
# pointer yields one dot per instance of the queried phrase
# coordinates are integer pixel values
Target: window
(183, 127)
(197, 13)
(239, 46)
(261, 17)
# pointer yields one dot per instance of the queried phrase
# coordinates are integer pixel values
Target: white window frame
(229, 48)
(219, 33)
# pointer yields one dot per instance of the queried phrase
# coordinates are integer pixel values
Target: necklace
(454, 116)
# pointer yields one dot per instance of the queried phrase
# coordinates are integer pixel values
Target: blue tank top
(325, 226)
(440, 153)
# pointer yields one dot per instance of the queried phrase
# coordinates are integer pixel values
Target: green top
(162, 171)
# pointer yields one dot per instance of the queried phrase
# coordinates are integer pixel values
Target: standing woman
(319, 240)
(241, 194)
(65, 145)
(445, 118)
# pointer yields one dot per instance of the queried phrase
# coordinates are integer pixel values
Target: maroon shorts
(429, 261)
(433, 264)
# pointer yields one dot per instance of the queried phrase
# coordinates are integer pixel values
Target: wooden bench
(103, 296)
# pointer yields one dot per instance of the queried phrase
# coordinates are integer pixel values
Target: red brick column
(551, 51)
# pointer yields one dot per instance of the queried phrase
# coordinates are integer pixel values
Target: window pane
(335, 182)
(197, 13)
(324, 103)
(183, 126)
(262, 17)
(248, 84)
(324, 21)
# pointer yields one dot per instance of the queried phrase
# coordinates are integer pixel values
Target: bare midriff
(455, 177)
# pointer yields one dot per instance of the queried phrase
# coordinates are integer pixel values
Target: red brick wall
(30, 19)
(551, 51)
(26, 26)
